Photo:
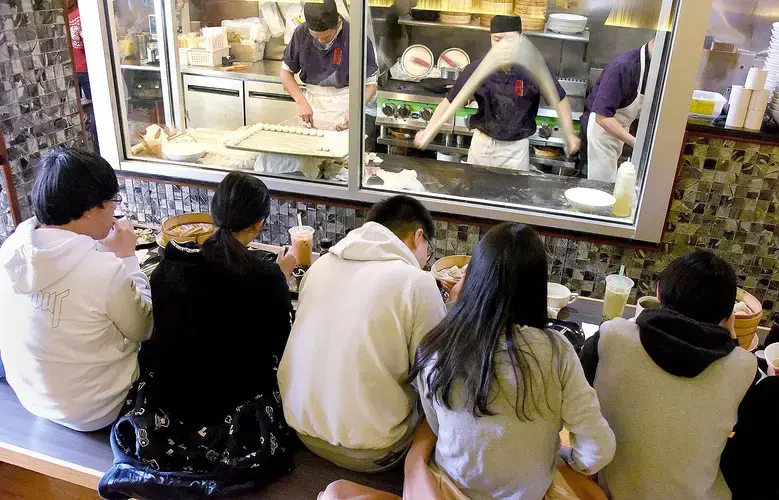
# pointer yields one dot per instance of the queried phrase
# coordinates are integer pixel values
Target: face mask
(326, 46)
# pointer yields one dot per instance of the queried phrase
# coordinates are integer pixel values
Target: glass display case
(274, 88)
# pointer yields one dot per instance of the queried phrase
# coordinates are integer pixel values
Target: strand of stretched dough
(517, 51)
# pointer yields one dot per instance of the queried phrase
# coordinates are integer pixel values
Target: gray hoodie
(73, 315)
(363, 310)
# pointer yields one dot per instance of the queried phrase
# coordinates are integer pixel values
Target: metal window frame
(662, 152)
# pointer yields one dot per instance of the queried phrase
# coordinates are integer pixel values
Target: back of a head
(700, 286)
(403, 215)
(240, 201)
(70, 182)
(321, 16)
(505, 286)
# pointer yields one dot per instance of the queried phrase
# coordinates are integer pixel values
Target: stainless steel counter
(261, 71)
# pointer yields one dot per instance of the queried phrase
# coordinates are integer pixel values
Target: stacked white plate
(772, 62)
(568, 24)
(773, 107)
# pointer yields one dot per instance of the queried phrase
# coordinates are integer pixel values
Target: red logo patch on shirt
(337, 54)
(519, 89)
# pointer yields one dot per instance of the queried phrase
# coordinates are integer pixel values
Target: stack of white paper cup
(739, 106)
(757, 104)
(756, 79)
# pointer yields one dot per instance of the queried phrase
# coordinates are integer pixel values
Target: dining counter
(767, 135)
(266, 70)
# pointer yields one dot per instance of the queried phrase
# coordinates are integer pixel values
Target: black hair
(321, 16)
(240, 201)
(69, 183)
(699, 285)
(403, 215)
(505, 287)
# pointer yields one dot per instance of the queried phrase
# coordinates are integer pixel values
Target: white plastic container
(624, 188)
(706, 104)
(203, 57)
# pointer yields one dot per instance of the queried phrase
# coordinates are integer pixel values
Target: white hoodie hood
(73, 315)
(36, 259)
(373, 242)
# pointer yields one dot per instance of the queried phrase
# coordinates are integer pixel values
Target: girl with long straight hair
(497, 387)
(208, 391)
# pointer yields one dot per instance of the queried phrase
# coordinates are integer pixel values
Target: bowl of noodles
(197, 227)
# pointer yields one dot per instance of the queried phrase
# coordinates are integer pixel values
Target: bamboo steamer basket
(533, 23)
(455, 18)
(447, 262)
(497, 8)
(746, 324)
(530, 11)
(177, 220)
(485, 20)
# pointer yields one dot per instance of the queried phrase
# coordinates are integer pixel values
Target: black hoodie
(679, 345)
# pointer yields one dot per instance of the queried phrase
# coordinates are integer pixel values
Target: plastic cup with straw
(618, 288)
(302, 239)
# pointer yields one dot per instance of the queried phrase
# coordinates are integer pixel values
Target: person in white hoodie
(363, 309)
(74, 302)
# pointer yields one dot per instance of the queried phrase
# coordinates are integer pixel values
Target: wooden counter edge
(50, 466)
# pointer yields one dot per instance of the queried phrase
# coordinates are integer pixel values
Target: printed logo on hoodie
(50, 302)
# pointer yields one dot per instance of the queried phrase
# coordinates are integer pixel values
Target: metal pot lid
(454, 55)
(417, 60)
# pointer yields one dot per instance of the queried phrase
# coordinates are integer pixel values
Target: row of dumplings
(289, 130)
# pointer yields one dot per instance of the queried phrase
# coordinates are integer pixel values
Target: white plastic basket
(203, 57)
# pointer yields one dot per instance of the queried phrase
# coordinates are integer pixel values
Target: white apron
(330, 106)
(603, 149)
(491, 152)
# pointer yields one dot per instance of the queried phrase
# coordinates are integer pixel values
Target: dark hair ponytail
(240, 201)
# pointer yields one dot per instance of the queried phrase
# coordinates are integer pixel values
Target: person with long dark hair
(208, 392)
(497, 388)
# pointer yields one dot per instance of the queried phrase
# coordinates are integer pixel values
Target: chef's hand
(573, 145)
(287, 261)
(121, 239)
(419, 137)
(305, 112)
(344, 125)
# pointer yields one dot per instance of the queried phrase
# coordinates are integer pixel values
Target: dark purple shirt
(508, 103)
(617, 86)
(328, 68)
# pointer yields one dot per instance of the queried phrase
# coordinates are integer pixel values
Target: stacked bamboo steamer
(492, 8)
(532, 12)
(460, 12)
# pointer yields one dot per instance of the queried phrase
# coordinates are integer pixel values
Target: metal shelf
(583, 37)
(136, 67)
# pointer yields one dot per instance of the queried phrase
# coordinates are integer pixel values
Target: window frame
(662, 153)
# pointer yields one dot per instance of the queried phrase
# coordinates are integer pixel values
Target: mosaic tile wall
(725, 200)
(38, 97)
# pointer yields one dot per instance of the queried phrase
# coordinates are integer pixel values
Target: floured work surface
(299, 141)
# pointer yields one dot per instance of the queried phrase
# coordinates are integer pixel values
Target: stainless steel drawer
(268, 103)
(216, 103)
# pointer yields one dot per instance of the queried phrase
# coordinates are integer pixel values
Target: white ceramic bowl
(774, 114)
(189, 152)
(589, 200)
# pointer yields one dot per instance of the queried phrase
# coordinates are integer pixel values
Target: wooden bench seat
(81, 458)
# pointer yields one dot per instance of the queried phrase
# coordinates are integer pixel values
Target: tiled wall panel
(39, 105)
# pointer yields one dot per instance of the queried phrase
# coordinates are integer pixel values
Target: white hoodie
(363, 310)
(72, 316)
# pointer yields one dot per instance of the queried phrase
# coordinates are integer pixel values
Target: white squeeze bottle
(624, 188)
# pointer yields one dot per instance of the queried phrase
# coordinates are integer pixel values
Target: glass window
(252, 86)
(517, 138)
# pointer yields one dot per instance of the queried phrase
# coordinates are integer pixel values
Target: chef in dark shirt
(319, 54)
(611, 108)
(508, 105)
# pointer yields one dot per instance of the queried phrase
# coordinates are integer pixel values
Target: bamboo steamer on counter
(197, 227)
(485, 20)
(746, 324)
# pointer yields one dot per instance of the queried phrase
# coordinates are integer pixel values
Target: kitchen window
(201, 89)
